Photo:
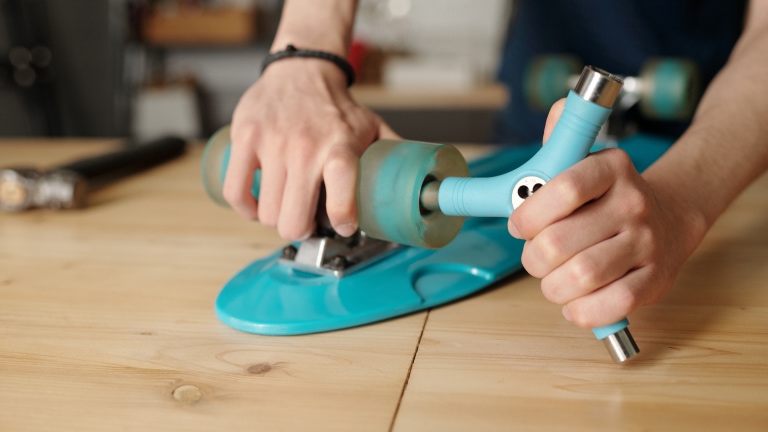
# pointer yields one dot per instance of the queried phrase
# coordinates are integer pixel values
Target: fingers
(616, 300)
(591, 269)
(290, 194)
(340, 174)
(599, 240)
(273, 178)
(290, 185)
(584, 182)
(315, 137)
(237, 184)
(296, 218)
(563, 240)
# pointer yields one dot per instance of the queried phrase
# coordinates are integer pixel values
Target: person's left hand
(601, 238)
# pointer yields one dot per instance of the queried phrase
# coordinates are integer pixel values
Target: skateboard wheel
(389, 188)
(547, 79)
(392, 174)
(214, 167)
(670, 88)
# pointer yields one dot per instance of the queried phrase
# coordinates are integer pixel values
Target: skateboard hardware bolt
(289, 252)
(338, 263)
(334, 255)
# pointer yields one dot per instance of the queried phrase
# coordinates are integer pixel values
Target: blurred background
(142, 69)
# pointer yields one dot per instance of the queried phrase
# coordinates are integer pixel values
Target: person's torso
(618, 36)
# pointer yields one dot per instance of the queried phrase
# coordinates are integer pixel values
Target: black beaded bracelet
(292, 51)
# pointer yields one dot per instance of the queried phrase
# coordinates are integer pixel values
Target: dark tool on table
(68, 186)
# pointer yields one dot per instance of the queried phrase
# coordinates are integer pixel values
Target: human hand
(300, 126)
(602, 238)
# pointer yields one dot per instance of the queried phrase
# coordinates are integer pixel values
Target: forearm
(726, 147)
(311, 24)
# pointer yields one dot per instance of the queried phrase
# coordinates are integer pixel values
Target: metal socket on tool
(621, 346)
(598, 86)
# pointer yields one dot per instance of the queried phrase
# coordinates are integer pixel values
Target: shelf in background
(200, 27)
(487, 97)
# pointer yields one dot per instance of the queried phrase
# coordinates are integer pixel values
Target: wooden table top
(107, 323)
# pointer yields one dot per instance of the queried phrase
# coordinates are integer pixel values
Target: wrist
(332, 45)
(302, 72)
(291, 52)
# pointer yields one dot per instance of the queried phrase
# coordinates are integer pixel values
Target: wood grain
(507, 360)
(107, 322)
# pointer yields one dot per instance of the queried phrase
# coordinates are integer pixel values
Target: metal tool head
(18, 188)
(598, 86)
(25, 188)
(63, 189)
(621, 345)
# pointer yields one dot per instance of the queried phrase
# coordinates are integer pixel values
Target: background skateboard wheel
(392, 174)
(214, 167)
(547, 79)
(670, 88)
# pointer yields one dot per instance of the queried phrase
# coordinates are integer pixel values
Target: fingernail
(306, 235)
(513, 230)
(567, 313)
(346, 229)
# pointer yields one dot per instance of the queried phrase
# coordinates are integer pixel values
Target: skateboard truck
(333, 255)
(413, 194)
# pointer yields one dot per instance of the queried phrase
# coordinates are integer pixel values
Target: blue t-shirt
(617, 36)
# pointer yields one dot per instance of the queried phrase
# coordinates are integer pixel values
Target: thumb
(386, 132)
(552, 118)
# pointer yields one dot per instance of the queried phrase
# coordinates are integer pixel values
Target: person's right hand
(603, 238)
(300, 126)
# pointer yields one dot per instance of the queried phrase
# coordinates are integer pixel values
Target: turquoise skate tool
(587, 107)
(429, 257)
